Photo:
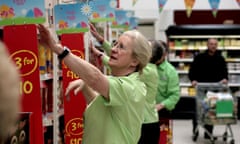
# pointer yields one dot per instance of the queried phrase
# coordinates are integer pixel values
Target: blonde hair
(142, 50)
(9, 93)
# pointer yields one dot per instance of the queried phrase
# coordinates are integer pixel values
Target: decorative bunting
(161, 4)
(134, 2)
(238, 1)
(214, 5)
(189, 5)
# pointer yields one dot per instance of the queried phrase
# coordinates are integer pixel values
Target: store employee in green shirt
(168, 93)
(115, 103)
(150, 128)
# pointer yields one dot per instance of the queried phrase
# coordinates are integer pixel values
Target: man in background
(208, 67)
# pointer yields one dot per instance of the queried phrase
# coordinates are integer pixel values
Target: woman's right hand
(47, 40)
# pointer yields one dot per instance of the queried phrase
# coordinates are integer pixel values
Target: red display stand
(75, 106)
(22, 43)
(166, 134)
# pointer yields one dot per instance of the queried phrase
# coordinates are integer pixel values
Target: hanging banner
(71, 18)
(134, 2)
(214, 5)
(122, 19)
(133, 23)
(23, 46)
(238, 1)
(189, 5)
(15, 12)
(75, 105)
(103, 10)
(161, 4)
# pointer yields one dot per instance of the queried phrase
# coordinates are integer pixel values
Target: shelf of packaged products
(230, 71)
(191, 59)
(49, 76)
(203, 48)
(180, 60)
(48, 117)
(188, 84)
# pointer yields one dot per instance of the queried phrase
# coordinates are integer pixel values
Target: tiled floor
(182, 133)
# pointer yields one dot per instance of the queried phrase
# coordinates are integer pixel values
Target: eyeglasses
(118, 45)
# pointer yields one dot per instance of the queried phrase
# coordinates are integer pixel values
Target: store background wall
(153, 24)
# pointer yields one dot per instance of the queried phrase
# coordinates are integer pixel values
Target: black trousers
(209, 128)
(150, 133)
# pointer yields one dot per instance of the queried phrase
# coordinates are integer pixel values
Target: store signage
(71, 18)
(103, 10)
(122, 18)
(189, 5)
(238, 1)
(17, 12)
(214, 5)
(23, 47)
(74, 106)
(133, 23)
(161, 4)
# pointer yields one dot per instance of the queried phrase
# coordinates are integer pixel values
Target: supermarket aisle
(182, 132)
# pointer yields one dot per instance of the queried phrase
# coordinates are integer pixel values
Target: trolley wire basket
(215, 105)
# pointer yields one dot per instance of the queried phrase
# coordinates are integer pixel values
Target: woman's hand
(76, 85)
(94, 50)
(95, 33)
(47, 40)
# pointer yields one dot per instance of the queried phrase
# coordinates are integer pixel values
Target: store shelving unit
(185, 41)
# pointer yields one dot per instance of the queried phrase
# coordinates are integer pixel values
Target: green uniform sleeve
(107, 47)
(105, 60)
(173, 91)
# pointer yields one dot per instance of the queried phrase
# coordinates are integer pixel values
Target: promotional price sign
(22, 43)
(103, 10)
(75, 105)
(122, 18)
(71, 18)
(15, 12)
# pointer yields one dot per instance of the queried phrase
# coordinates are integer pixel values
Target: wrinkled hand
(94, 50)
(46, 39)
(95, 33)
(76, 85)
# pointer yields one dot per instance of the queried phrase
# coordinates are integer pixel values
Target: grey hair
(142, 50)
(9, 93)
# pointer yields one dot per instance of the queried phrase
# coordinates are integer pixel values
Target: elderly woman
(115, 103)
(150, 127)
(9, 94)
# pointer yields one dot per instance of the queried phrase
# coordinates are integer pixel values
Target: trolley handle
(210, 84)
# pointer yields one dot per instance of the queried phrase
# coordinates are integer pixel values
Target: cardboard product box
(224, 108)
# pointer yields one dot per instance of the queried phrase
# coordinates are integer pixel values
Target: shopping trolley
(215, 105)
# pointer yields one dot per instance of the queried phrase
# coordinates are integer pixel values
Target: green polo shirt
(119, 120)
(150, 78)
(168, 86)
